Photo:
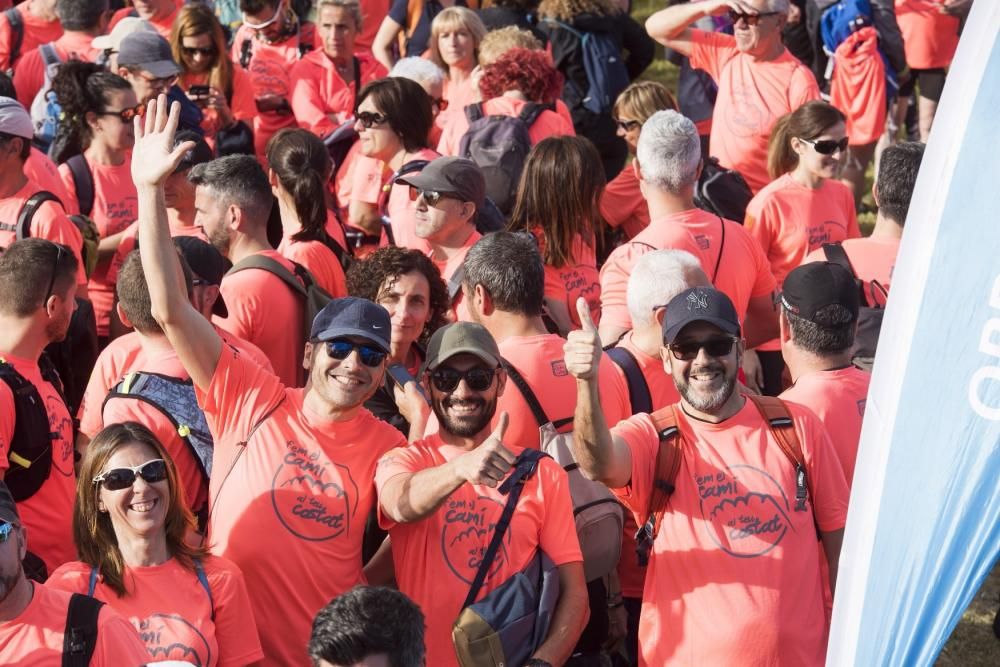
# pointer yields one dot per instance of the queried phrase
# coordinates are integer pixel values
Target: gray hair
(669, 151)
(80, 14)
(509, 266)
(239, 180)
(657, 278)
(418, 69)
(780, 6)
(352, 7)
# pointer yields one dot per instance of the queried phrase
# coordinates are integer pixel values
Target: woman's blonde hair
(93, 532)
(567, 10)
(198, 19)
(498, 42)
(642, 99)
(450, 19)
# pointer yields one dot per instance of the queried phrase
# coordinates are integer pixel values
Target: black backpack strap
(80, 637)
(529, 396)
(383, 200)
(638, 389)
(83, 182)
(836, 254)
(530, 113)
(524, 469)
(16, 35)
(22, 227)
(272, 266)
(455, 284)
(199, 571)
(722, 244)
(474, 112)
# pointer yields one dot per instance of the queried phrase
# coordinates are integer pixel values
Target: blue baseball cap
(699, 304)
(351, 316)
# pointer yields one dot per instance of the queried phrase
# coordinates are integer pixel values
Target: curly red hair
(528, 72)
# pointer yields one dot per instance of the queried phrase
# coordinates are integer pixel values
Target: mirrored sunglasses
(341, 349)
(117, 479)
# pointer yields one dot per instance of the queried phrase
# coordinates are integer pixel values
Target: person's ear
(91, 119)
(307, 355)
(784, 330)
(483, 300)
(501, 381)
(210, 294)
(468, 211)
(122, 316)
(797, 145)
(666, 357)
(659, 314)
(235, 216)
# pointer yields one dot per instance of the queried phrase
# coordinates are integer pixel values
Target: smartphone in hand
(401, 376)
(198, 94)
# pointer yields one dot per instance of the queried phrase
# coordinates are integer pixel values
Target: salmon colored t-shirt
(448, 268)
(40, 169)
(115, 208)
(29, 76)
(320, 261)
(930, 36)
(548, 123)
(578, 278)
(172, 612)
(48, 514)
(372, 13)
(872, 258)
(622, 204)
(437, 557)
(163, 25)
(35, 637)
(401, 210)
(241, 105)
(36, 31)
(838, 398)
(752, 96)
(734, 575)
(319, 92)
(458, 96)
(292, 512)
(264, 310)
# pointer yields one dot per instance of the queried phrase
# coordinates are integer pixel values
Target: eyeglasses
(714, 347)
(369, 119)
(6, 530)
(478, 379)
(432, 197)
(191, 51)
(341, 349)
(441, 104)
(827, 146)
(628, 125)
(127, 114)
(749, 19)
(160, 82)
(60, 251)
(117, 479)
(260, 26)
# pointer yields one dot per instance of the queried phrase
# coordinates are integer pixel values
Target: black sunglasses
(432, 197)
(478, 379)
(827, 146)
(341, 349)
(714, 347)
(749, 19)
(60, 251)
(370, 119)
(126, 114)
(190, 51)
(117, 479)
(628, 125)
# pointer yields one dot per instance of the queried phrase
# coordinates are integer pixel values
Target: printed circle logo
(172, 637)
(746, 118)
(828, 231)
(745, 510)
(468, 529)
(60, 424)
(314, 498)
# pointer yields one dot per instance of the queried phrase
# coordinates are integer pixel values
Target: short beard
(711, 403)
(464, 428)
(220, 240)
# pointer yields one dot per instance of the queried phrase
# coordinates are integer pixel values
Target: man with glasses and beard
(438, 498)
(739, 532)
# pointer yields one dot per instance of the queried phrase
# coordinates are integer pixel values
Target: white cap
(122, 29)
(14, 119)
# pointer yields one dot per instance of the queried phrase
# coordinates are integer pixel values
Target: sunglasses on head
(260, 26)
(369, 119)
(628, 125)
(60, 251)
(827, 146)
(432, 197)
(190, 51)
(477, 379)
(126, 114)
(714, 347)
(749, 19)
(341, 349)
(117, 479)
(6, 530)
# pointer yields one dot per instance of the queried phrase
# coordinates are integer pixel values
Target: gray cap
(148, 51)
(454, 176)
(14, 119)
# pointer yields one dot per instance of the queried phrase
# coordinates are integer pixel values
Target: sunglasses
(749, 19)
(6, 530)
(341, 349)
(191, 51)
(827, 146)
(260, 26)
(117, 479)
(714, 347)
(628, 125)
(477, 379)
(432, 197)
(369, 119)
(159, 82)
(60, 251)
(128, 114)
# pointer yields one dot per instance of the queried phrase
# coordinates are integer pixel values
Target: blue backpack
(602, 61)
(842, 19)
(45, 108)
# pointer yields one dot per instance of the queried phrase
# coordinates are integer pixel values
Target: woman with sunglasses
(223, 93)
(804, 207)
(94, 149)
(454, 47)
(130, 524)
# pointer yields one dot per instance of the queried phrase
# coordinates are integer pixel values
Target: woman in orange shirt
(558, 201)
(299, 168)
(454, 47)
(130, 524)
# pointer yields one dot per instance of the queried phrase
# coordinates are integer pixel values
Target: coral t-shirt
(116, 206)
(40, 169)
(752, 96)
(48, 514)
(171, 610)
(319, 92)
(264, 310)
(733, 541)
(448, 268)
(872, 258)
(35, 637)
(321, 262)
(163, 25)
(291, 512)
(29, 76)
(458, 96)
(622, 204)
(930, 36)
(577, 278)
(437, 557)
(36, 31)
(401, 210)
(838, 398)
(548, 123)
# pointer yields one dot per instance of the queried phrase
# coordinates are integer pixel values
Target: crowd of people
(331, 332)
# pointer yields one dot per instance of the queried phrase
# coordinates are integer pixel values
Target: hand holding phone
(402, 376)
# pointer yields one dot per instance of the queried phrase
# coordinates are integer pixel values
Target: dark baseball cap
(200, 154)
(699, 304)
(352, 316)
(454, 176)
(461, 338)
(149, 52)
(206, 263)
(811, 287)
(8, 508)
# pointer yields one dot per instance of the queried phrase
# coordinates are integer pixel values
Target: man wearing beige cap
(442, 497)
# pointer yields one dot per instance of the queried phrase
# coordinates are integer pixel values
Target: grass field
(972, 644)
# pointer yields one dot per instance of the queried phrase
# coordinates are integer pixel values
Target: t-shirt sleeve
(711, 50)
(802, 88)
(639, 434)
(6, 424)
(235, 628)
(398, 461)
(758, 221)
(558, 537)
(827, 484)
(398, 11)
(118, 643)
(614, 283)
(70, 577)
(620, 199)
(764, 282)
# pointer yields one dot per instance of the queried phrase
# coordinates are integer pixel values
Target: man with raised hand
(739, 530)
(293, 469)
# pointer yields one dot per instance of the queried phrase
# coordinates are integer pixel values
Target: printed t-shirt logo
(313, 497)
(745, 117)
(59, 426)
(828, 231)
(172, 637)
(467, 531)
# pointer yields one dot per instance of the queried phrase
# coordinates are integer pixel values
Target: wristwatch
(538, 662)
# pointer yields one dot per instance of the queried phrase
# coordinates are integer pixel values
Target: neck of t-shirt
(18, 600)
(730, 408)
(663, 204)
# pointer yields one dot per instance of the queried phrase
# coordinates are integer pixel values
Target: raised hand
(582, 350)
(154, 156)
(488, 463)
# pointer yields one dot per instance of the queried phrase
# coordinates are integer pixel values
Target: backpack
(607, 76)
(597, 513)
(16, 37)
(80, 637)
(199, 571)
(838, 22)
(722, 191)
(45, 108)
(870, 313)
(638, 389)
(86, 226)
(671, 450)
(499, 145)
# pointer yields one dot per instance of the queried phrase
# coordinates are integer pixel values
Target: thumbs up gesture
(489, 462)
(582, 350)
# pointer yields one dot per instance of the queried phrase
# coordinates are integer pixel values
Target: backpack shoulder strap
(83, 182)
(27, 213)
(455, 284)
(836, 254)
(668, 464)
(529, 396)
(92, 581)
(638, 388)
(474, 112)
(199, 570)
(779, 420)
(80, 636)
(50, 57)
(16, 34)
(530, 113)
(722, 244)
(273, 267)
